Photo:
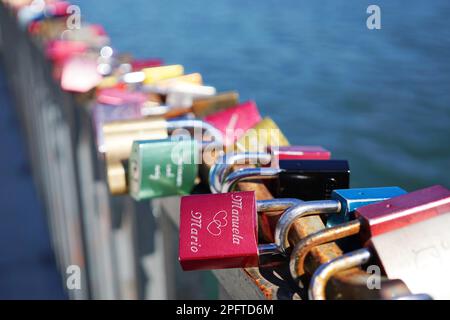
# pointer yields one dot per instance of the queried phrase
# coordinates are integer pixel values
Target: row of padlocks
(258, 202)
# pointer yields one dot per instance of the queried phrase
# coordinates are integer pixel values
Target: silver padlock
(418, 254)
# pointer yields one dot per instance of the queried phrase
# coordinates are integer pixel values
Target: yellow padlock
(264, 134)
(155, 74)
(192, 78)
(118, 140)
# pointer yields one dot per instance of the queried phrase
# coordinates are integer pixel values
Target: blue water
(380, 99)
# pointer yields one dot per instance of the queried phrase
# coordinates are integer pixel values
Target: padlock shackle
(270, 207)
(225, 163)
(173, 125)
(304, 246)
(248, 174)
(302, 210)
(325, 271)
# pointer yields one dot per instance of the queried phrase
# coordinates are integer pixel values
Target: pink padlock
(60, 50)
(235, 121)
(79, 74)
(219, 231)
(116, 96)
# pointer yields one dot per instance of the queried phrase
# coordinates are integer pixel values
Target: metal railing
(124, 249)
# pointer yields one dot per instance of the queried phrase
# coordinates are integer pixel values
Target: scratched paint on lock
(218, 231)
(159, 168)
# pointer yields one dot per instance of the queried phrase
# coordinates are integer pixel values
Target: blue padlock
(352, 199)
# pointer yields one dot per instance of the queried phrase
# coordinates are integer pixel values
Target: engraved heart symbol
(217, 223)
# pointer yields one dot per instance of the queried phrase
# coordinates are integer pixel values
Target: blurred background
(379, 98)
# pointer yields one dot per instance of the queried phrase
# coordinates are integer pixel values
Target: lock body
(235, 121)
(402, 210)
(419, 255)
(262, 135)
(202, 107)
(118, 139)
(139, 64)
(79, 74)
(153, 75)
(311, 179)
(103, 114)
(117, 97)
(182, 95)
(160, 168)
(218, 231)
(163, 87)
(352, 199)
(59, 50)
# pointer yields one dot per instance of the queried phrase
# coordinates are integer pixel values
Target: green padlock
(160, 168)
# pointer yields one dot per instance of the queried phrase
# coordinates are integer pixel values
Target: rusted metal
(349, 284)
(321, 276)
(304, 246)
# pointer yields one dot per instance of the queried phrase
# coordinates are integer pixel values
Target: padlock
(375, 217)
(80, 74)
(163, 86)
(139, 64)
(182, 95)
(146, 76)
(341, 205)
(223, 165)
(203, 107)
(355, 198)
(60, 50)
(220, 231)
(117, 97)
(119, 137)
(159, 168)
(258, 138)
(302, 179)
(102, 114)
(418, 254)
(153, 75)
(235, 121)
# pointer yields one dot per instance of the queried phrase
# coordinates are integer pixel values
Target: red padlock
(139, 64)
(235, 121)
(220, 230)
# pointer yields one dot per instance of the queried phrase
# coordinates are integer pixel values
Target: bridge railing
(124, 249)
